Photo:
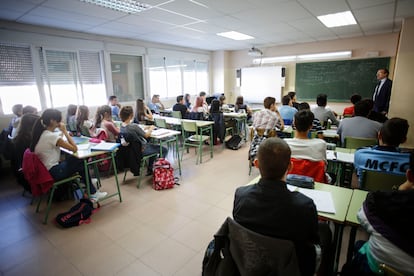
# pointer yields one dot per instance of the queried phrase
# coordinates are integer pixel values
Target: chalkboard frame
(338, 79)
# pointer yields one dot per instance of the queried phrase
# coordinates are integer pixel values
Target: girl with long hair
(46, 143)
(103, 119)
(142, 112)
(83, 125)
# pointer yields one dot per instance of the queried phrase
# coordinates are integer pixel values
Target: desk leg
(85, 165)
(160, 148)
(116, 175)
(339, 229)
(245, 128)
(352, 236)
(178, 153)
(211, 141)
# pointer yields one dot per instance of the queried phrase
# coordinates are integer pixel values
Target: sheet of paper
(291, 187)
(83, 146)
(159, 131)
(345, 157)
(322, 199)
(330, 155)
(105, 146)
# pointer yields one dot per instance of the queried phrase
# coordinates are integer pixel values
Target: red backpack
(163, 175)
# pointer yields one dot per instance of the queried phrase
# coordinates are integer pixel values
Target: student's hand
(62, 127)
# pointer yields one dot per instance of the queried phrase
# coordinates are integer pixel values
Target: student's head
(362, 108)
(270, 150)
(382, 73)
(126, 113)
(321, 99)
(409, 184)
(199, 102)
(180, 99)
(239, 100)
(103, 112)
(17, 109)
(156, 98)
(355, 98)
(394, 132)
(28, 109)
(222, 99)
(287, 100)
(24, 134)
(140, 110)
(269, 102)
(187, 97)
(292, 95)
(113, 100)
(203, 94)
(50, 117)
(303, 120)
(303, 106)
(82, 113)
(71, 110)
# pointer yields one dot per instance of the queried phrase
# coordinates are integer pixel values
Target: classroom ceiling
(194, 23)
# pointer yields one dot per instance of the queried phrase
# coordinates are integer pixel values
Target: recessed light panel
(235, 35)
(337, 19)
(127, 6)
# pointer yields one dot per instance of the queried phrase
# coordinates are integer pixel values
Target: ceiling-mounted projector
(254, 52)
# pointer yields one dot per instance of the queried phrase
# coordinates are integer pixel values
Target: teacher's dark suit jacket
(270, 209)
(382, 99)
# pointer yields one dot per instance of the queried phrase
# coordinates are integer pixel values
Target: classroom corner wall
(402, 95)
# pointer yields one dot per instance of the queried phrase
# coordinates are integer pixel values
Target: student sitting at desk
(115, 106)
(268, 118)
(139, 135)
(46, 143)
(84, 126)
(349, 111)
(270, 209)
(239, 106)
(155, 105)
(316, 124)
(387, 217)
(359, 125)
(199, 111)
(304, 148)
(17, 110)
(180, 106)
(286, 110)
(385, 157)
(103, 119)
(143, 113)
(322, 113)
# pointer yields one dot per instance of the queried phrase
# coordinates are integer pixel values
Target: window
(72, 78)
(17, 80)
(127, 77)
(170, 77)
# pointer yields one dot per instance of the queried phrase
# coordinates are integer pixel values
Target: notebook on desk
(159, 131)
(80, 140)
(104, 146)
(322, 199)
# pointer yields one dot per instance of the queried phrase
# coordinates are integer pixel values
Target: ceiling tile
(321, 7)
(405, 8)
(373, 13)
(358, 4)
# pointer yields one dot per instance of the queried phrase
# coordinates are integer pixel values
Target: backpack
(163, 175)
(78, 214)
(234, 142)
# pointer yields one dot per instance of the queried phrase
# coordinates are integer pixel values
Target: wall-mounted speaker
(283, 72)
(238, 77)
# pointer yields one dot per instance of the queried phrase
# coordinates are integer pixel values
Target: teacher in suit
(382, 92)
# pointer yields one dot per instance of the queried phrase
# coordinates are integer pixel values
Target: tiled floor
(149, 233)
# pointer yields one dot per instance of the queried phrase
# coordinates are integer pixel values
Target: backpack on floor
(78, 214)
(163, 175)
(234, 142)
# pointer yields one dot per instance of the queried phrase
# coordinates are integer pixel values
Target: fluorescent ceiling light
(319, 56)
(337, 19)
(332, 55)
(274, 59)
(127, 6)
(235, 35)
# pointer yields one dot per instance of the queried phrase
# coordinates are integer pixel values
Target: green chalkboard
(338, 79)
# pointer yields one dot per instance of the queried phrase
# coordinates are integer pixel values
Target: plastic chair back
(189, 126)
(314, 169)
(355, 142)
(160, 122)
(176, 114)
(382, 181)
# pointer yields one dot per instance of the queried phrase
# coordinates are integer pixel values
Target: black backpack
(234, 142)
(77, 215)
